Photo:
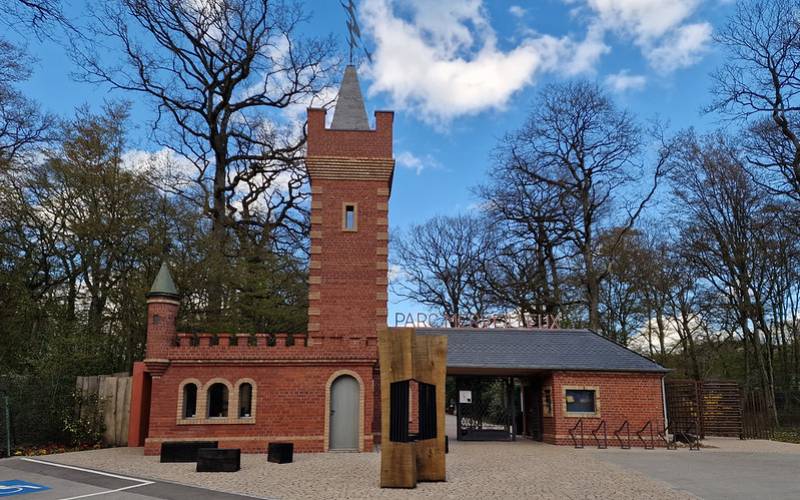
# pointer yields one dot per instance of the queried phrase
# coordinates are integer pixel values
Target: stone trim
(202, 403)
(233, 438)
(163, 300)
(346, 204)
(361, 417)
(199, 386)
(253, 398)
(337, 167)
(580, 414)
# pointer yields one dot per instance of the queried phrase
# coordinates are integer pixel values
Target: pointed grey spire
(350, 113)
(163, 286)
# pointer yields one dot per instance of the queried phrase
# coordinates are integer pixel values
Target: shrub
(85, 425)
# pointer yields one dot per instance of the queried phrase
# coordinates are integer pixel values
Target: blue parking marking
(15, 487)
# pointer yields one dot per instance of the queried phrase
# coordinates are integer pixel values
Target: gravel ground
(474, 470)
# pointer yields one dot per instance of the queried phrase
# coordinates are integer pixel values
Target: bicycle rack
(579, 424)
(639, 433)
(622, 444)
(604, 444)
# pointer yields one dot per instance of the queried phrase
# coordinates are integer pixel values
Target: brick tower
(350, 166)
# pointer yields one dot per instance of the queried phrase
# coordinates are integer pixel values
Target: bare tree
(727, 232)
(219, 72)
(22, 124)
(439, 262)
(760, 82)
(579, 145)
(524, 265)
(32, 14)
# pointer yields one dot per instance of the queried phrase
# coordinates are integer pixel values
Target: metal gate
(485, 408)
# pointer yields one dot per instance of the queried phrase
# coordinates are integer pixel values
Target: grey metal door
(344, 414)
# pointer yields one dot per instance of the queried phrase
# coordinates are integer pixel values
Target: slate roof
(350, 113)
(538, 349)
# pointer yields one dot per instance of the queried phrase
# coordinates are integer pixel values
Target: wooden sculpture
(413, 370)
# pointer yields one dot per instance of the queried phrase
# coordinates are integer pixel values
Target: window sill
(216, 421)
(581, 414)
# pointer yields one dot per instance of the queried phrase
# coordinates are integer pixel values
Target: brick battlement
(269, 347)
(241, 340)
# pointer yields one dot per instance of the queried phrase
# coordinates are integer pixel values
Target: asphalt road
(34, 479)
(716, 475)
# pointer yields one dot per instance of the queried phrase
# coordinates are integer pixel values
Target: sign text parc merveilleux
(434, 320)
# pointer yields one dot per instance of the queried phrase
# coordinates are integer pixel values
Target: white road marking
(107, 492)
(141, 482)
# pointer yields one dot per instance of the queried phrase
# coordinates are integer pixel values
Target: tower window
(350, 217)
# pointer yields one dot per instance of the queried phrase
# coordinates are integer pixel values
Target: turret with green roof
(163, 286)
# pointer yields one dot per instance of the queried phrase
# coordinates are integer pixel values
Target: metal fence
(718, 408)
(5, 425)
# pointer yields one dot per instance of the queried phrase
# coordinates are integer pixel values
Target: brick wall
(289, 405)
(635, 397)
(347, 305)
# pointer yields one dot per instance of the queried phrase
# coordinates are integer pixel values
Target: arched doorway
(344, 418)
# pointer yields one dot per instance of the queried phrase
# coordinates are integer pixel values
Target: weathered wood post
(404, 358)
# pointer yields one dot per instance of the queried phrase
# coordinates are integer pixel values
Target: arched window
(218, 400)
(245, 400)
(189, 401)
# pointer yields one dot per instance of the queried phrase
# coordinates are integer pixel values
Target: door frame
(328, 386)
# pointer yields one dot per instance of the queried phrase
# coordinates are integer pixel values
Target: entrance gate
(485, 408)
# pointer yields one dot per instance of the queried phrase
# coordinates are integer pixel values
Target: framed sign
(465, 396)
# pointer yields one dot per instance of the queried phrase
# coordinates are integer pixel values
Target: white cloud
(442, 60)
(624, 81)
(660, 28)
(407, 159)
(684, 47)
(643, 19)
(516, 11)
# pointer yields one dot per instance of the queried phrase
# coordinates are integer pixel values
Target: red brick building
(320, 390)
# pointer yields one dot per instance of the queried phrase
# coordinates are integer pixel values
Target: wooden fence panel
(115, 394)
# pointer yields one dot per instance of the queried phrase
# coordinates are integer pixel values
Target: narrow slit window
(189, 401)
(350, 222)
(245, 400)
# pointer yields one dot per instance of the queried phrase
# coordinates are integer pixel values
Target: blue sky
(459, 74)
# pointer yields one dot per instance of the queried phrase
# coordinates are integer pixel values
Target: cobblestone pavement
(519, 470)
